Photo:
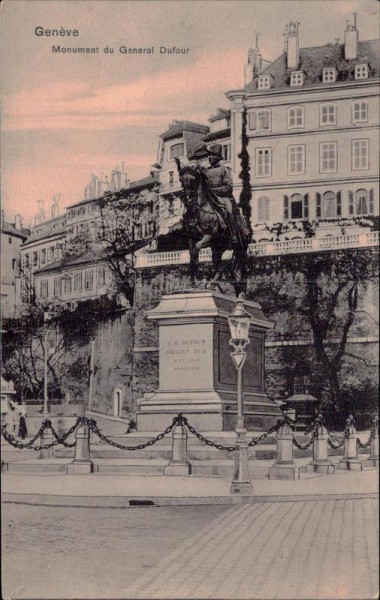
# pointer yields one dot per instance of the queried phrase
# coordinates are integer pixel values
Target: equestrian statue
(213, 219)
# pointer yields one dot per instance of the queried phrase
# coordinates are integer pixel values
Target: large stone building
(313, 130)
(12, 237)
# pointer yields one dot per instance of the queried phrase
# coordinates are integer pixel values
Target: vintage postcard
(189, 299)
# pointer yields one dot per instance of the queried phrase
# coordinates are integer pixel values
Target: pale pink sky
(65, 116)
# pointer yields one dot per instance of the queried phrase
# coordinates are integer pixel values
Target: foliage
(244, 175)
(120, 217)
(320, 296)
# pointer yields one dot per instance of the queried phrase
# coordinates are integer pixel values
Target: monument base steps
(284, 471)
(351, 464)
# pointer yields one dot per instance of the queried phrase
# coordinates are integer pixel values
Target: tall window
(360, 154)
(296, 117)
(329, 205)
(171, 178)
(361, 202)
(101, 276)
(57, 287)
(296, 207)
(260, 120)
(263, 162)
(296, 160)
(327, 114)
(44, 288)
(67, 284)
(88, 279)
(176, 151)
(263, 209)
(26, 259)
(226, 151)
(360, 112)
(328, 157)
(35, 259)
(78, 282)
(43, 256)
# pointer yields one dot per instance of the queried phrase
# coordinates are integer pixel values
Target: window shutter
(286, 207)
(319, 205)
(371, 202)
(252, 120)
(306, 206)
(350, 202)
(338, 204)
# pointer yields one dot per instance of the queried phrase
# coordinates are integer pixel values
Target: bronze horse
(205, 227)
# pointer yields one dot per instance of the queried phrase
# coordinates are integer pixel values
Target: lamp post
(45, 413)
(239, 321)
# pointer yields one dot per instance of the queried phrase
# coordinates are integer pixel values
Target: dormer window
(361, 71)
(263, 82)
(297, 78)
(329, 75)
(176, 151)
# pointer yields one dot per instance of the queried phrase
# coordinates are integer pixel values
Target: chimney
(292, 45)
(18, 223)
(255, 63)
(351, 41)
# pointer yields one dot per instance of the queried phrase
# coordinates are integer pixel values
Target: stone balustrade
(178, 257)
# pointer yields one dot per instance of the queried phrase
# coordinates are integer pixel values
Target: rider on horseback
(219, 182)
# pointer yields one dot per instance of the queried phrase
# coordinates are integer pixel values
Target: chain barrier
(273, 429)
(23, 445)
(95, 429)
(374, 430)
(61, 439)
(202, 438)
(340, 441)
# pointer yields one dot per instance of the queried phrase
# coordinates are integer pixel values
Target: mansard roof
(313, 60)
(178, 127)
(10, 229)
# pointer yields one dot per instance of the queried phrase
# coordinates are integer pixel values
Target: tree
(120, 233)
(319, 295)
(244, 175)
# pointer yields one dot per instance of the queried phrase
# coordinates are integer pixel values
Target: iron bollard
(47, 438)
(82, 462)
(179, 464)
(350, 458)
(284, 467)
(321, 462)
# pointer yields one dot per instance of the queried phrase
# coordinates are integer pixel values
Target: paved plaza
(305, 549)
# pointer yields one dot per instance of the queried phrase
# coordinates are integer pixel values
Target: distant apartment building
(12, 237)
(313, 129)
(82, 272)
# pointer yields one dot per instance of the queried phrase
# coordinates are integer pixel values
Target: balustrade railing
(356, 240)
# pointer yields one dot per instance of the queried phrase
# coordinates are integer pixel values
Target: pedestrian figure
(22, 429)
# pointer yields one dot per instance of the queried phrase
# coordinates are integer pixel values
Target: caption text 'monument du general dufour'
(62, 32)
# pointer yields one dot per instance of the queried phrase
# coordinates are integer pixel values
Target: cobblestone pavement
(65, 552)
(322, 549)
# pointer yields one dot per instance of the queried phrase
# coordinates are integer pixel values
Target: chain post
(284, 467)
(350, 460)
(321, 462)
(373, 460)
(47, 439)
(82, 462)
(179, 464)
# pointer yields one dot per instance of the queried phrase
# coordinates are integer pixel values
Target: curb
(162, 501)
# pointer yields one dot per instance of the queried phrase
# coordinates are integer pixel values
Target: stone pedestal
(321, 462)
(197, 376)
(82, 463)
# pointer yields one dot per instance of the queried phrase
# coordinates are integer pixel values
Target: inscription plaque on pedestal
(197, 376)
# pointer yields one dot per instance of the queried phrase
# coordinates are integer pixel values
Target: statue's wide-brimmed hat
(215, 150)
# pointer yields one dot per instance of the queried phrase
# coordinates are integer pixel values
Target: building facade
(12, 237)
(313, 130)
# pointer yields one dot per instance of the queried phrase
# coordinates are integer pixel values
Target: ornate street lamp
(47, 318)
(239, 321)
